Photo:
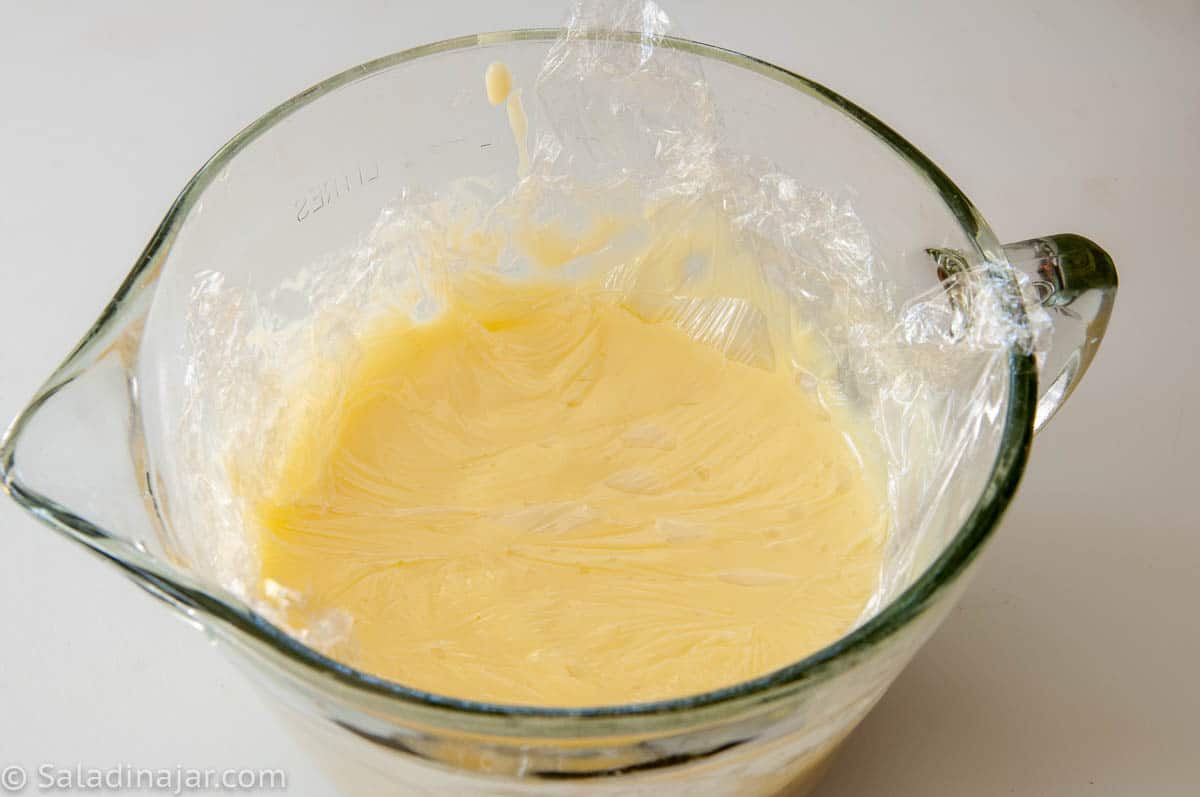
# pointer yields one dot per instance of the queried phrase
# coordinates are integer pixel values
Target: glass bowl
(91, 455)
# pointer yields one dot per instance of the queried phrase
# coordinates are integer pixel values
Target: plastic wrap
(631, 190)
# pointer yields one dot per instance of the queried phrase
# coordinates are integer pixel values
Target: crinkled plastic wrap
(628, 158)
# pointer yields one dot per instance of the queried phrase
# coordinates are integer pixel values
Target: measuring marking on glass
(330, 191)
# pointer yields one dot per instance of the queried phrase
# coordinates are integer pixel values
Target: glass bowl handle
(1076, 281)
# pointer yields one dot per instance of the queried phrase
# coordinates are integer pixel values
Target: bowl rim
(235, 621)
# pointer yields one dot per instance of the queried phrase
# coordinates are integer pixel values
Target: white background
(1070, 668)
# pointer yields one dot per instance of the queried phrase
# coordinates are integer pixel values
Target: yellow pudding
(574, 490)
(497, 82)
(547, 496)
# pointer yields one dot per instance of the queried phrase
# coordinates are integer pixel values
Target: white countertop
(1070, 665)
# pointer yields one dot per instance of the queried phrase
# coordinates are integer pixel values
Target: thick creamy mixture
(573, 493)
(543, 498)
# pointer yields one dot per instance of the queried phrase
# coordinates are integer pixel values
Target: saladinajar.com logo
(124, 778)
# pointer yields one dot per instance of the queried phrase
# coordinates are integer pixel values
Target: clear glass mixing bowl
(88, 456)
